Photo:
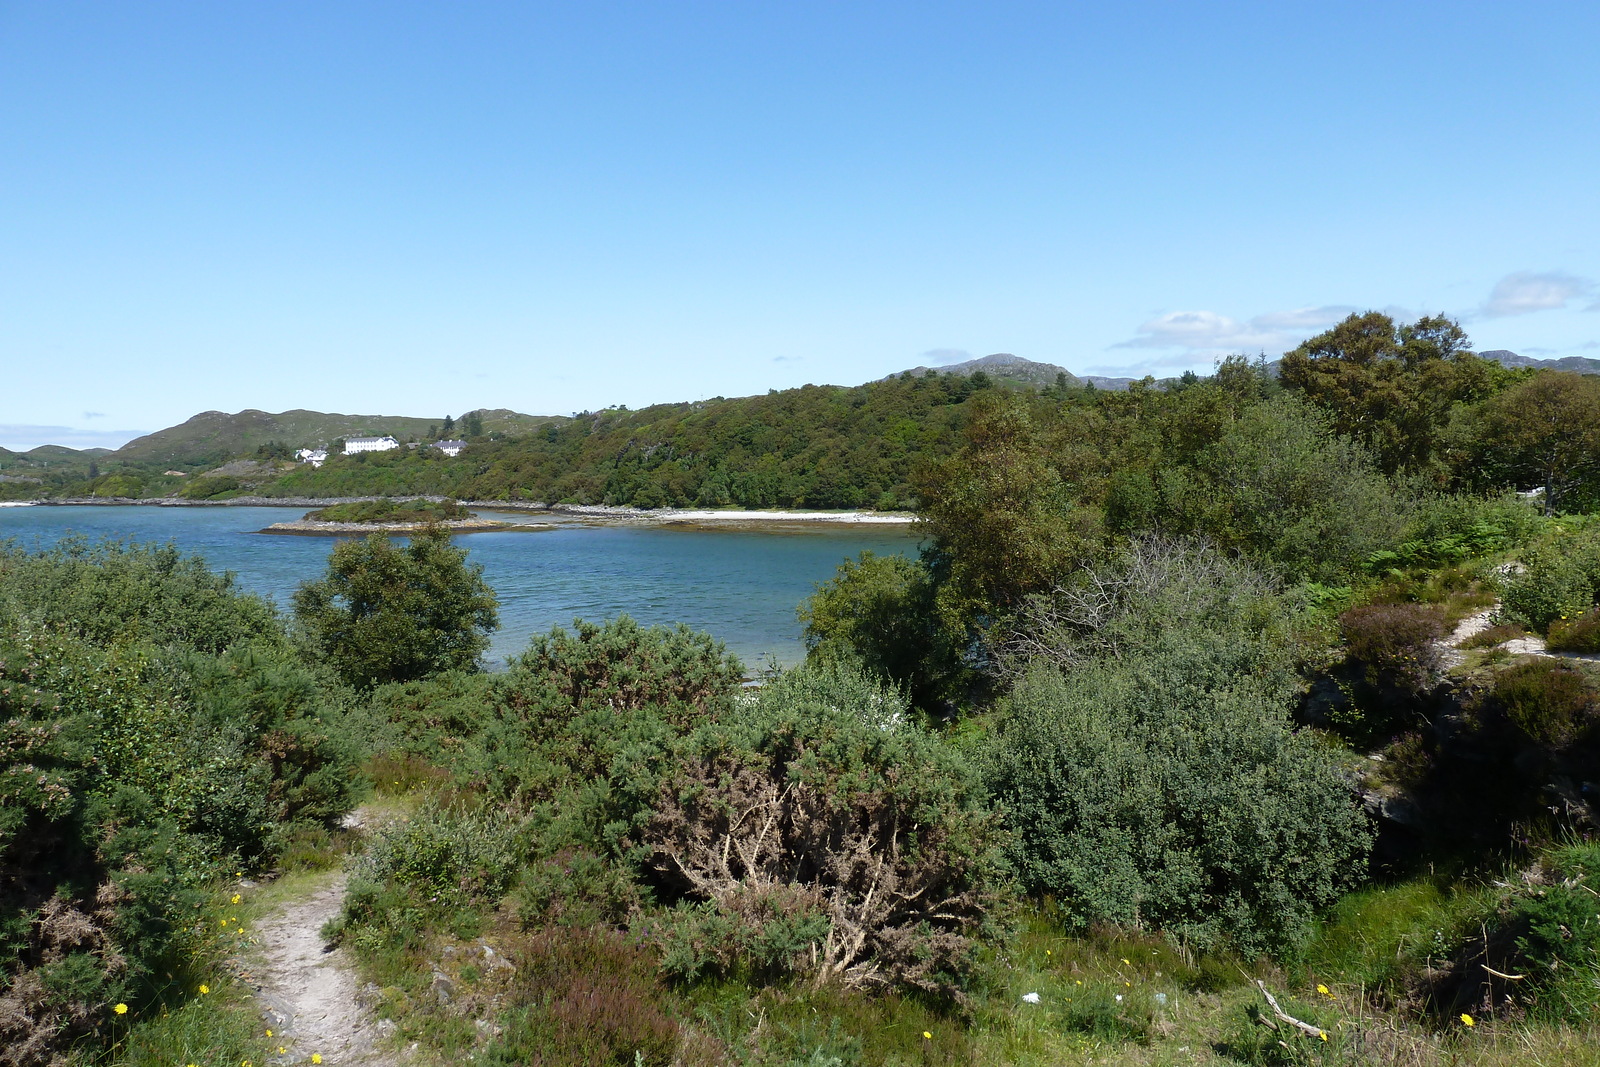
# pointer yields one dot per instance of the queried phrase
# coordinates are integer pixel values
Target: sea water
(740, 585)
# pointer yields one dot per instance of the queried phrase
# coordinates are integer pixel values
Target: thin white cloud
(944, 357)
(1524, 292)
(1199, 332)
(20, 437)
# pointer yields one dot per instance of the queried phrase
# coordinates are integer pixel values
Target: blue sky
(421, 209)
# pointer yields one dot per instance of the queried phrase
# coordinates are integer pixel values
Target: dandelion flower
(1466, 1020)
(235, 899)
(204, 989)
(926, 1036)
(1323, 990)
(316, 1057)
(281, 1050)
(269, 1033)
(121, 1009)
(1323, 1034)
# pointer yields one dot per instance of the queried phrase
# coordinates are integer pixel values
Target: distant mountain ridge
(1575, 364)
(216, 435)
(1002, 366)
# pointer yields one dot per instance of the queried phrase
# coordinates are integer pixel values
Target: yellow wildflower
(269, 1033)
(204, 989)
(121, 1009)
(316, 1057)
(235, 899)
(1466, 1020)
(1323, 1034)
(1129, 964)
(926, 1036)
(1323, 990)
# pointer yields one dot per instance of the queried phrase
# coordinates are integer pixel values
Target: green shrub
(828, 834)
(386, 510)
(394, 613)
(1561, 577)
(1581, 633)
(1167, 791)
(115, 590)
(440, 864)
(1549, 701)
(620, 665)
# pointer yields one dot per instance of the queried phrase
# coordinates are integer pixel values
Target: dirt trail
(308, 995)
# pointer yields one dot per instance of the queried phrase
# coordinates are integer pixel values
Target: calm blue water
(741, 586)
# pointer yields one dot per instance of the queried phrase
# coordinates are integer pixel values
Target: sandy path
(308, 995)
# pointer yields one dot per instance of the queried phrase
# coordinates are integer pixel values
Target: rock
(442, 987)
(387, 1028)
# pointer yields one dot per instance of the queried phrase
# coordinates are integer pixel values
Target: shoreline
(593, 512)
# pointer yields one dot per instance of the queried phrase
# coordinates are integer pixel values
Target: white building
(450, 448)
(314, 456)
(352, 445)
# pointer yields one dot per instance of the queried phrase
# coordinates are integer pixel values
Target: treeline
(817, 446)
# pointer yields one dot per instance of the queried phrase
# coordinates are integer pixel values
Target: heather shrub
(1167, 791)
(585, 998)
(1549, 701)
(821, 832)
(1580, 633)
(1393, 644)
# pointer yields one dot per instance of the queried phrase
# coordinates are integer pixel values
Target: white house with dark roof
(352, 445)
(450, 448)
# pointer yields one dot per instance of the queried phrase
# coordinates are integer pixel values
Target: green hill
(215, 436)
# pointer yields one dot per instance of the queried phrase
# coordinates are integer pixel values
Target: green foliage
(1544, 432)
(827, 834)
(1393, 388)
(879, 612)
(111, 590)
(385, 613)
(441, 864)
(386, 510)
(1561, 576)
(618, 664)
(1167, 791)
(1000, 514)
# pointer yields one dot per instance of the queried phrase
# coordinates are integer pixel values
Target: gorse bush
(112, 590)
(391, 613)
(822, 833)
(622, 665)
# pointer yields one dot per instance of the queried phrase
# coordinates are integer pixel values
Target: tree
(1549, 429)
(1391, 387)
(392, 614)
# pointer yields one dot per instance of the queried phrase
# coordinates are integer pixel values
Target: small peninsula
(391, 516)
